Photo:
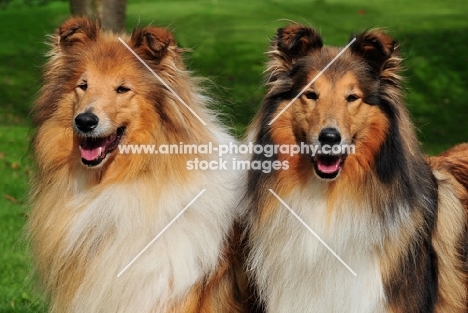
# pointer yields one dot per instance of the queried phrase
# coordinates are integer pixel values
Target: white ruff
(125, 217)
(298, 274)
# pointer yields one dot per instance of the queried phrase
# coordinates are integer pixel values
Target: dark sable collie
(398, 221)
(94, 209)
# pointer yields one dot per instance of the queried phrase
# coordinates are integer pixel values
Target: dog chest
(299, 274)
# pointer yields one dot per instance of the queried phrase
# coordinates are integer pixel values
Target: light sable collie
(94, 209)
(395, 218)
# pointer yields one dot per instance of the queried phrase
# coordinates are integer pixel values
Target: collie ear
(296, 41)
(152, 43)
(290, 44)
(77, 31)
(375, 47)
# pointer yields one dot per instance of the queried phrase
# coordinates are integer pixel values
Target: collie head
(343, 108)
(346, 104)
(94, 206)
(102, 90)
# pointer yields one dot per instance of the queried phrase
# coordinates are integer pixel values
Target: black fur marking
(417, 291)
(255, 177)
(372, 99)
(417, 288)
(390, 163)
(258, 180)
(413, 287)
(391, 158)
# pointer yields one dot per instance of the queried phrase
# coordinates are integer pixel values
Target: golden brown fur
(92, 213)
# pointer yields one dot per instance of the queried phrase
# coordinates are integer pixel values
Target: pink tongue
(328, 168)
(90, 154)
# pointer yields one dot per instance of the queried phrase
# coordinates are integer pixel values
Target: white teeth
(101, 151)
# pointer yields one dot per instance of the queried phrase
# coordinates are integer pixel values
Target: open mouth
(328, 166)
(94, 150)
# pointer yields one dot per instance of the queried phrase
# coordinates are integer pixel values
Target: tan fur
(86, 224)
(451, 168)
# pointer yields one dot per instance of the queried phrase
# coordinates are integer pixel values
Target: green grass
(228, 39)
(15, 286)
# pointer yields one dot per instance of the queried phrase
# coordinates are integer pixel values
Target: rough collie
(397, 222)
(95, 209)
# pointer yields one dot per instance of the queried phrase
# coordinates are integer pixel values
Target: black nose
(86, 122)
(329, 136)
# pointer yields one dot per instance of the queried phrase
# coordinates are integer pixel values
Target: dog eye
(122, 89)
(311, 95)
(352, 98)
(83, 86)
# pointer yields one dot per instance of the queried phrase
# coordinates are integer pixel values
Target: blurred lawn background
(228, 39)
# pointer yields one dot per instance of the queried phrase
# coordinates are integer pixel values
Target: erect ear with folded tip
(289, 45)
(152, 43)
(77, 31)
(375, 47)
(296, 41)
